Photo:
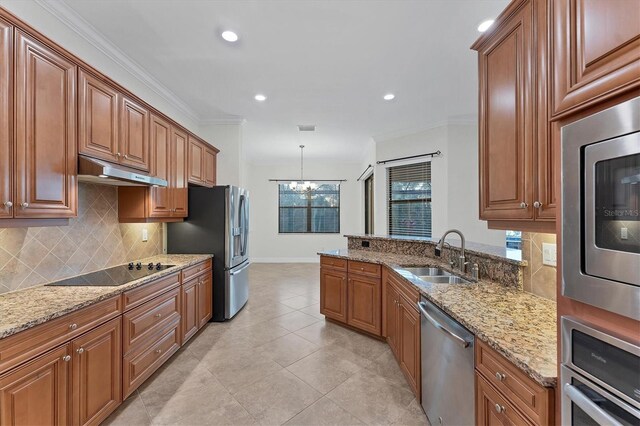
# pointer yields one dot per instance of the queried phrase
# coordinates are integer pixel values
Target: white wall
(266, 245)
(230, 161)
(454, 177)
(49, 25)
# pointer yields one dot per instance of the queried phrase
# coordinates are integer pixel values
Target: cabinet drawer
(147, 319)
(333, 262)
(194, 270)
(410, 292)
(142, 294)
(30, 343)
(492, 408)
(527, 395)
(141, 363)
(364, 268)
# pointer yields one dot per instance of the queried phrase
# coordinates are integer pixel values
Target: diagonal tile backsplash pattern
(92, 241)
(539, 279)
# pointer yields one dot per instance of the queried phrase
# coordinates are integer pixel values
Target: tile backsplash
(92, 241)
(539, 279)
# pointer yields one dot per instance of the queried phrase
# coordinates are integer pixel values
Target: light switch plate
(549, 254)
(145, 234)
(624, 234)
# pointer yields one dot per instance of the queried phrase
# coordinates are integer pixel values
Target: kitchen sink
(441, 279)
(426, 271)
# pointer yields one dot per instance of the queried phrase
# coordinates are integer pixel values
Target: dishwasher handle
(436, 324)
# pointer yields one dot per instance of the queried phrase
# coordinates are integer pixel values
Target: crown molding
(82, 27)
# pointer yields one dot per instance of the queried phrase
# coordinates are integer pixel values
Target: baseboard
(315, 259)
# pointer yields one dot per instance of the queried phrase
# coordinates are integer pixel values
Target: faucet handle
(475, 272)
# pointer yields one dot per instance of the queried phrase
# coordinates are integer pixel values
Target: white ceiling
(323, 62)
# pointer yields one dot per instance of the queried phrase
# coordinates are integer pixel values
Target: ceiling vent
(307, 127)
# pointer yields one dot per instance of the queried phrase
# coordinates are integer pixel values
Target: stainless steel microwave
(600, 209)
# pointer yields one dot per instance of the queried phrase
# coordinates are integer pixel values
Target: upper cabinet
(596, 51)
(6, 120)
(516, 155)
(45, 131)
(202, 163)
(134, 134)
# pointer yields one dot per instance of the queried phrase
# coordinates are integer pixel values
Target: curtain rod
(429, 154)
(365, 171)
(310, 180)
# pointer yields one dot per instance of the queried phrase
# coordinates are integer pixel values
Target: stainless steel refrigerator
(218, 224)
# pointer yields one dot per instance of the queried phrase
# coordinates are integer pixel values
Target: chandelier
(302, 185)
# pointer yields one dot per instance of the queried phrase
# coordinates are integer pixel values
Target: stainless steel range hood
(104, 173)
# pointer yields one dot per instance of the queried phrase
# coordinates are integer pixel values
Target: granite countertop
(23, 309)
(519, 325)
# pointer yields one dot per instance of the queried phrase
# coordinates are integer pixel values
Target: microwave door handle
(595, 412)
(440, 327)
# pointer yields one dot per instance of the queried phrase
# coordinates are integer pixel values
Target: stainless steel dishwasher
(448, 381)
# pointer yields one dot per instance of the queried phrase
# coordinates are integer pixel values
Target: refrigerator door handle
(239, 270)
(243, 225)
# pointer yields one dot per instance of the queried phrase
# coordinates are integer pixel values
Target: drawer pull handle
(500, 376)
(80, 351)
(500, 408)
(73, 326)
(66, 358)
(362, 269)
(158, 351)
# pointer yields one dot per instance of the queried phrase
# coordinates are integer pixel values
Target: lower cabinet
(333, 293)
(493, 409)
(197, 304)
(363, 296)
(205, 299)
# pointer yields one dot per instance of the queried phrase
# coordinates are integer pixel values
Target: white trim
(82, 27)
(286, 259)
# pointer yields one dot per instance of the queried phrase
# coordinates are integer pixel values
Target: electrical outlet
(624, 233)
(145, 234)
(549, 254)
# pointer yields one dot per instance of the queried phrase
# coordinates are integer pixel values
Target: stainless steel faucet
(462, 264)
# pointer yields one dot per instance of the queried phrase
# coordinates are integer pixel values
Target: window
(316, 211)
(409, 195)
(514, 240)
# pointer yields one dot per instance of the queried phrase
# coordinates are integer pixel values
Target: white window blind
(409, 199)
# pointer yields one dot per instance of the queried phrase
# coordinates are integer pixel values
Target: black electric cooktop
(113, 277)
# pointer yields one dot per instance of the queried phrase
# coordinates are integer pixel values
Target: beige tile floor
(276, 362)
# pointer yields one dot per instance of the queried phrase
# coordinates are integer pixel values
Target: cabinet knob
(73, 326)
(126, 156)
(8, 204)
(537, 204)
(523, 205)
(24, 205)
(158, 315)
(500, 376)
(117, 154)
(500, 408)
(80, 351)
(66, 358)
(158, 351)
(362, 269)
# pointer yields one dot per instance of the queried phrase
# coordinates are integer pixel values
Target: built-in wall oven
(600, 209)
(600, 377)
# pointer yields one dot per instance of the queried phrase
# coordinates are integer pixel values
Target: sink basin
(425, 271)
(440, 279)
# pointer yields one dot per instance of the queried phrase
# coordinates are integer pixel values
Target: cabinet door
(134, 134)
(45, 132)
(190, 320)
(37, 393)
(210, 167)
(161, 202)
(596, 51)
(97, 373)
(179, 173)
(409, 329)
(97, 118)
(333, 294)
(6, 120)
(392, 298)
(506, 120)
(196, 161)
(205, 299)
(364, 299)
(493, 409)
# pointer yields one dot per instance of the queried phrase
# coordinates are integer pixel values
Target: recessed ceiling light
(229, 36)
(388, 96)
(260, 98)
(485, 25)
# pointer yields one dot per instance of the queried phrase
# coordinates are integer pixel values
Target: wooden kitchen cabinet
(160, 199)
(134, 133)
(45, 131)
(190, 320)
(6, 120)
(37, 393)
(493, 409)
(202, 163)
(515, 149)
(409, 344)
(596, 52)
(390, 317)
(97, 118)
(179, 172)
(205, 299)
(197, 299)
(97, 373)
(333, 293)
(364, 303)
(210, 167)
